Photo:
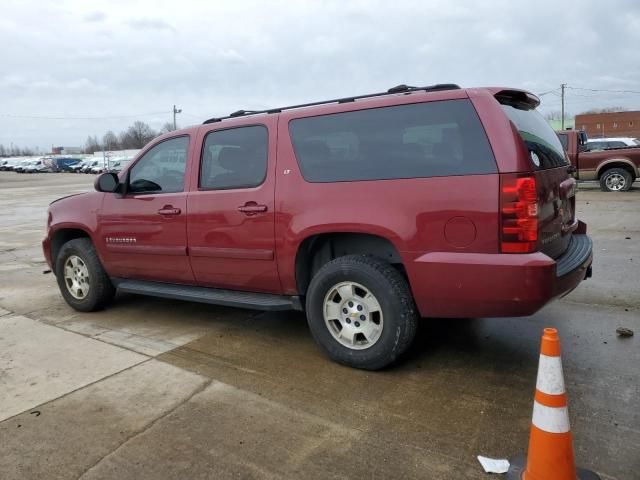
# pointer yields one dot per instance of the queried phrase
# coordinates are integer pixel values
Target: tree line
(133, 137)
(15, 151)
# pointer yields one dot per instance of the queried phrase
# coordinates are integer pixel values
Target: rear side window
(596, 146)
(431, 139)
(234, 158)
(544, 146)
(564, 140)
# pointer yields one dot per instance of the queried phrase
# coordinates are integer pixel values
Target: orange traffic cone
(550, 454)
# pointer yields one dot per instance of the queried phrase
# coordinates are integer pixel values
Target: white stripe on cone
(550, 377)
(550, 419)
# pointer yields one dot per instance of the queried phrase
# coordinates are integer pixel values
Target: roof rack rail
(397, 89)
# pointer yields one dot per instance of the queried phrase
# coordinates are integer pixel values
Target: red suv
(365, 212)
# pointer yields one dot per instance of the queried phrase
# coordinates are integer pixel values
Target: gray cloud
(150, 24)
(95, 17)
(212, 58)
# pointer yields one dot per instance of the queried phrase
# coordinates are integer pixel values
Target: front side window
(234, 158)
(161, 169)
(430, 139)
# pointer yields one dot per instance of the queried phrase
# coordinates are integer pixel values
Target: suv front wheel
(83, 282)
(360, 312)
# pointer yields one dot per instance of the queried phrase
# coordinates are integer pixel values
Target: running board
(215, 296)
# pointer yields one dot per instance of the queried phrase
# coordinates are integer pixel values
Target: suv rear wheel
(83, 282)
(360, 312)
(616, 180)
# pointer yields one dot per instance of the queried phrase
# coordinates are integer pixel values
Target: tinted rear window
(564, 140)
(544, 145)
(431, 139)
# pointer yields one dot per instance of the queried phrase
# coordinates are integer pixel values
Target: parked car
(17, 164)
(64, 164)
(377, 210)
(77, 168)
(36, 166)
(615, 169)
(10, 163)
(610, 143)
(24, 164)
(117, 164)
(90, 165)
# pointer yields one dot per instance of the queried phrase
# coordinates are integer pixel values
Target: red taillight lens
(519, 214)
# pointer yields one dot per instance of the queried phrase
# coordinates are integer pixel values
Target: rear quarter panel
(410, 213)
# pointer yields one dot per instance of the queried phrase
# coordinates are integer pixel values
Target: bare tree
(110, 141)
(606, 110)
(555, 115)
(3, 152)
(138, 135)
(92, 144)
(166, 128)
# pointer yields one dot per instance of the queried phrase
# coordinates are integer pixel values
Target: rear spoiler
(517, 99)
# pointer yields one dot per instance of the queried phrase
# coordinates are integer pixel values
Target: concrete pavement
(152, 388)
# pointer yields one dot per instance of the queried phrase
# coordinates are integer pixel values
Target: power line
(548, 92)
(605, 90)
(46, 117)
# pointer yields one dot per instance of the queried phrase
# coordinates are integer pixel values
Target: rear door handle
(252, 208)
(169, 210)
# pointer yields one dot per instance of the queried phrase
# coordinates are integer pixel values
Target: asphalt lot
(153, 388)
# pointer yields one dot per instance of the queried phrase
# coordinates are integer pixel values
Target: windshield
(544, 146)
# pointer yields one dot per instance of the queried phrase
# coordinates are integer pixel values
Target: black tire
(393, 295)
(616, 173)
(100, 291)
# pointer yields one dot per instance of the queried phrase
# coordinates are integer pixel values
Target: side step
(215, 296)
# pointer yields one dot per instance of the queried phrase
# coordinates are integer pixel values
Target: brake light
(519, 214)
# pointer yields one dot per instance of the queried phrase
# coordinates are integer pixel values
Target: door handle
(252, 208)
(169, 210)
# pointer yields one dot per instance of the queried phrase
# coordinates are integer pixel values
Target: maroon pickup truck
(616, 169)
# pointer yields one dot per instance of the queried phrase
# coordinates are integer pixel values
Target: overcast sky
(131, 60)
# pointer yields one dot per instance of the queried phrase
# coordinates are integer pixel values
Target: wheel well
(60, 238)
(317, 250)
(622, 165)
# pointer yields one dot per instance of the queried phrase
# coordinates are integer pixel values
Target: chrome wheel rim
(615, 182)
(353, 315)
(76, 277)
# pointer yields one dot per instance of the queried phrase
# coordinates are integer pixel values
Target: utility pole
(175, 111)
(562, 87)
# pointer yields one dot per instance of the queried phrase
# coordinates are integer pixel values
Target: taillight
(518, 214)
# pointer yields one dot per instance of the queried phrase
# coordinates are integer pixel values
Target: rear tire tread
(621, 171)
(398, 290)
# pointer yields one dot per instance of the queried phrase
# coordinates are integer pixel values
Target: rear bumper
(464, 285)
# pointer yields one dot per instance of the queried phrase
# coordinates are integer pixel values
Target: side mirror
(583, 138)
(107, 182)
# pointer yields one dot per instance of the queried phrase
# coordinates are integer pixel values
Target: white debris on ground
(494, 465)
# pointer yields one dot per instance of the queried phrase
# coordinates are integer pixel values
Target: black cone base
(519, 463)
